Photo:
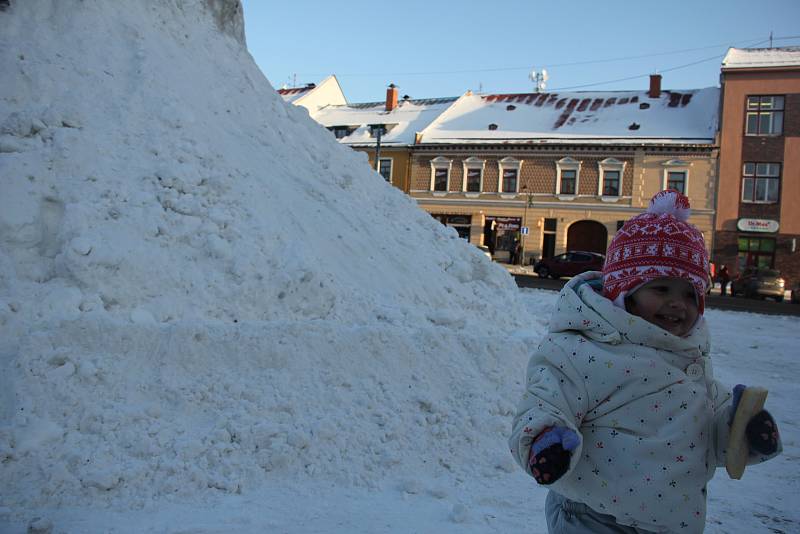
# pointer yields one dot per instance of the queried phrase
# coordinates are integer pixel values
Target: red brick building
(758, 196)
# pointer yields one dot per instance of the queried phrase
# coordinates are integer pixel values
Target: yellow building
(553, 172)
(564, 170)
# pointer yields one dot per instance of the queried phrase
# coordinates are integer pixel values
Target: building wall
(736, 148)
(327, 93)
(400, 164)
(642, 178)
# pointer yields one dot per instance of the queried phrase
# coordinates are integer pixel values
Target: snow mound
(200, 290)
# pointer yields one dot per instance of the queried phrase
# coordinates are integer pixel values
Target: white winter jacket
(653, 421)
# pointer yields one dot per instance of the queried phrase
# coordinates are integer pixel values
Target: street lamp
(528, 202)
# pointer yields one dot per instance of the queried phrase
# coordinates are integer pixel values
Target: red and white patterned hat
(658, 243)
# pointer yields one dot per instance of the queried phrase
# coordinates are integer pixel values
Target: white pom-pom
(670, 202)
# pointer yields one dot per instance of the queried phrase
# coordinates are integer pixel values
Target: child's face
(669, 303)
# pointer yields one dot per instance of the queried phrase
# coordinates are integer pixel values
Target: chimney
(391, 97)
(655, 86)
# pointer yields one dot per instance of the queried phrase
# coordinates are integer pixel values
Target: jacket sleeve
(555, 395)
(721, 430)
(723, 406)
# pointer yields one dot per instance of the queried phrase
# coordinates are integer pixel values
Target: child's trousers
(569, 517)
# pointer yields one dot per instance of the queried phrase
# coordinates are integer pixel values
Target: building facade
(560, 172)
(537, 174)
(757, 222)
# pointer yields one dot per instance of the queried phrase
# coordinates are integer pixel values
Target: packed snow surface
(215, 318)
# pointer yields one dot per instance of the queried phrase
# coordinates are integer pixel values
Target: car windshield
(768, 272)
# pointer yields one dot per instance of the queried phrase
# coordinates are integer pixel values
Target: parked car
(796, 293)
(569, 264)
(758, 283)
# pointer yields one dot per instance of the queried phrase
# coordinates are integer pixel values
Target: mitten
(550, 453)
(762, 433)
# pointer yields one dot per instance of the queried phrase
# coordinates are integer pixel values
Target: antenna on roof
(770, 38)
(539, 78)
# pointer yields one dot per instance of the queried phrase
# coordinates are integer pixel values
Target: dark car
(569, 264)
(758, 283)
(796, 293)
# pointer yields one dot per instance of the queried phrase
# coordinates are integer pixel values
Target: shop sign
(506, 223)
(757, 225)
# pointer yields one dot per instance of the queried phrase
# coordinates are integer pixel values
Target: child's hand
(550, 464)
(550, 453)
(762, 433)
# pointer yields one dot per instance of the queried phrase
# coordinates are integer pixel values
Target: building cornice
(583, 206)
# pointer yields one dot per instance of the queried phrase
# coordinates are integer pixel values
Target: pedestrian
(724, 278)
(621, 417)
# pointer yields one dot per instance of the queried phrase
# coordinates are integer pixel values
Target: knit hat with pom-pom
(658, 243)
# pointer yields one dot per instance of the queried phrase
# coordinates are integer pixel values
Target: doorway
(589, 236)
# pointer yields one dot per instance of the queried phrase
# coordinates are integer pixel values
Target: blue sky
(443, 48)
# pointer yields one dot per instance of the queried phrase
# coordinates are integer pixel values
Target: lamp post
(379, 129)
(528, 201)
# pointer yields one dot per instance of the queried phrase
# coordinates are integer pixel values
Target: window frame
(471, 164)
(610, 165)
(567, 164)
(758, 111)
(341, 131)
(755, 177)
(508, 164)
(676, 166)
(440, 163)
(391, 168)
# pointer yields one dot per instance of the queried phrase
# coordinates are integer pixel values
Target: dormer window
(341, 131)
(374, 129)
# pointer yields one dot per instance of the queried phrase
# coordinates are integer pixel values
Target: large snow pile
(201, 291)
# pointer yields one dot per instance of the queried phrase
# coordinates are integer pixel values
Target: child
(621, 416)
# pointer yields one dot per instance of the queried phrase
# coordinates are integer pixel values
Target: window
(509, 175)
(761, 182)
(440, 180)
(440, 174)
(764, 115)
(341, 131)
(756, 251)
(568, 182)
(610, 186)
(375, 129)
(567, 170)
(385, 169)
(474, 180)
(676, 175)
(509, 180)
(473, 173)
(461, 223)
(677, 180)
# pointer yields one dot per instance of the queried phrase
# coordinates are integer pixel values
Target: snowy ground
(750, 348)
(214, 318)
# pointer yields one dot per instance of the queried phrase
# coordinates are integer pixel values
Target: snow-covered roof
(757, 58)
(675, 117)
(290, 94)
(403, 122)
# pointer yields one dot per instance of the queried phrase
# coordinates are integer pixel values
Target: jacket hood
(582, 308)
